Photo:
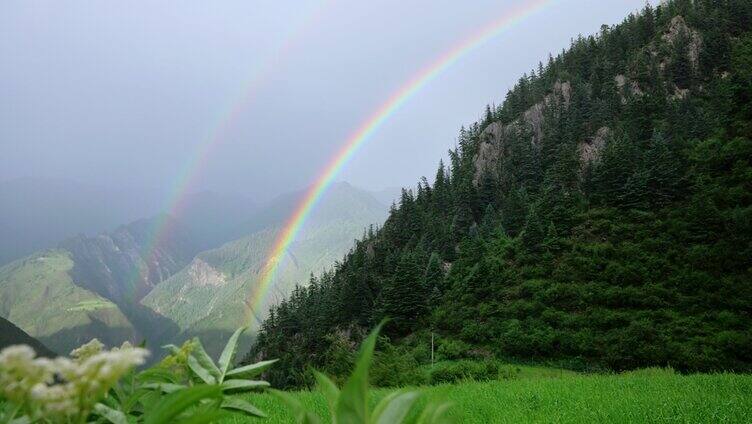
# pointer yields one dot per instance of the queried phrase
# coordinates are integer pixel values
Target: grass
(649, 396)
(91, 305)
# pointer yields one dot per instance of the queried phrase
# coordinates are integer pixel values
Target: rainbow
(356, 140)
(192, 169)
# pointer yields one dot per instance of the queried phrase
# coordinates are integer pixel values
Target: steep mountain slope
(600, 218)
(91, 286)
(12, 335)
(211, 295)
(39, 295)
(125, 265)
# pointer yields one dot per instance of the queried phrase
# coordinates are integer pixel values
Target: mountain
(12, 335)
(91, 286)
(38, 213)
(39, 295)
(147, 279)
(210, 297)
(600, 218)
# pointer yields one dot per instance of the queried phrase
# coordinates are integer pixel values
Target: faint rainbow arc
(296, 221)
(192, 168)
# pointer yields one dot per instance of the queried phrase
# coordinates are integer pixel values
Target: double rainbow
(161, 227)
(295, 222)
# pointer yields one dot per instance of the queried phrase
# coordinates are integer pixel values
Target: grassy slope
(641, 396)
(38, 295)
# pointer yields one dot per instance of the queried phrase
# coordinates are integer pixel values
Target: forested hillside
(601, 217)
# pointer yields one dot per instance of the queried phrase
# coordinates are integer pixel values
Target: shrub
(395, 366)
(452, 349)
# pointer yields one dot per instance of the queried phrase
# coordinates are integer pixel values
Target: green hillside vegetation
(600, 218)
(91, 305)
(38, 295)
(650, 395)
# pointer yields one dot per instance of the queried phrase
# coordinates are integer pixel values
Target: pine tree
(534, 232)
(404, 297)
(434, 274)
(514, 211)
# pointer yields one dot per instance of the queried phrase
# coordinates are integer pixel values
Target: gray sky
(126, 93)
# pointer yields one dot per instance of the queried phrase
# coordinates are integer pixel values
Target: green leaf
(352, 405)
(172, 348)
(435, 413)
(243, 385)
(394, 408)
(129, 403)
(156, 375)
(148, 401)
(228, 354)
(111, 415)
(165, 387)
(175, 403)
(204, 415)
(330, 390)
(201, 372)
(243, 406)
(302, 416)
(199, 355)
(252, 370)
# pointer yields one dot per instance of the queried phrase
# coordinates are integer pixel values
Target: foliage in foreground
(96, 385)
(350, 404)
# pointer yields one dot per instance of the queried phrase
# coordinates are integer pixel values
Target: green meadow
(644, 396)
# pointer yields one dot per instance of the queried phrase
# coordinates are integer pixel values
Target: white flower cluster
(62, 388)
(19, 372)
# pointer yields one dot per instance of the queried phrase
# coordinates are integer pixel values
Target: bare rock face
(623, 84)
(677, 28)
(203, 274)
(489, 151)
(494, 138)
(590, 150)
(680, 94)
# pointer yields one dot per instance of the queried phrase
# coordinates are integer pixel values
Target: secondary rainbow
(296, 221)
(192, 169)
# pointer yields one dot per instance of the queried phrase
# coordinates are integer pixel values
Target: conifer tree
(403, 297)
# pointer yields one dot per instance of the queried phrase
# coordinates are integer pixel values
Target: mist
(253, 98)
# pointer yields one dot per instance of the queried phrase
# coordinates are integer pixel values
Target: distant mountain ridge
(210, 297)
(129, 284)
(39, 213)
(39, 295)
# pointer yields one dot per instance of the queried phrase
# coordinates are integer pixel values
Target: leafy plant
(100, 385)
(203, 370)
(349, 405)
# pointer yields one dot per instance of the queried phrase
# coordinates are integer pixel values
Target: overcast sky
(129, 93)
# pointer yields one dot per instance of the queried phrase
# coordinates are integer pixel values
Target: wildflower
(62, 389)
(19, 372)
